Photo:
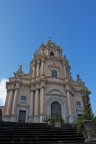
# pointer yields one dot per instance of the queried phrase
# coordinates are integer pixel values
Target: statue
(79, 81)
(78, 77)
(20, 68)
(19, 72)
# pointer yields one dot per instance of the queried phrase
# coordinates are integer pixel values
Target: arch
(56, 109)
(59, 99)
(51, 53)
(54, 73)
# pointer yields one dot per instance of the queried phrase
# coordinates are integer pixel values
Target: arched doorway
(55, 109)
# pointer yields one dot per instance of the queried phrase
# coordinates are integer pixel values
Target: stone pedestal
(89, 132)
(6, 118)
(42, 117)
(69, 102)
(13, 118)
(71, 119)
(36, 118)
(31, 119)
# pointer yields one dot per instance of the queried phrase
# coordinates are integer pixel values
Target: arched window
(54, 73)
(51, 53)
(23, 98)
(78, 103)
(55, 109)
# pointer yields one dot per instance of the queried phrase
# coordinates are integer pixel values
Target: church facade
(46, 90)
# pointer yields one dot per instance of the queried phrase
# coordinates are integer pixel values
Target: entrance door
(55, 109)
(22, 116)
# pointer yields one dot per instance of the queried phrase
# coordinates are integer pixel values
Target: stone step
(37, 133)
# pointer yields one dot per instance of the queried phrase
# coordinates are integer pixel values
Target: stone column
(65, 75)
(33, 74)
(13, 117)
(42, 66)
(31, 112)
(14, 101)
(56, 53)
(69, 106)
(42, 114)
(42, 51)
(31, 102)
(74, 110)
(47, 51)
(42, 100)
(36, 106)
(9, 102)
(38, 66)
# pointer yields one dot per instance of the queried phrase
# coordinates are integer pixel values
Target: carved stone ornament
(51, 44)
(79, 81)
(54, 66)
(19, 72)
(89, 131)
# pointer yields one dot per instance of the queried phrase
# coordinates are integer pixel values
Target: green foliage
(87, 115)
(46, 120)
(53, 120)
(58, 117)
(86, 104)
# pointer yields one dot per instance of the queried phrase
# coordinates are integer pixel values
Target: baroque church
(46, 90)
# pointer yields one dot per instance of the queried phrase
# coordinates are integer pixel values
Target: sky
(71, 24)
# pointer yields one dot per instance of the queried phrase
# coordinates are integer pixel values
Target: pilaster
(36, 104)
(13, 116)
(64, 66)
(31, 107)
(38, 66)
(69, 103)
(47, 51)
(42, 66)
(42, 113)
(33, 74)
(9, 103)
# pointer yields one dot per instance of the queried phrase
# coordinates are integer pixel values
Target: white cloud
(3, 91)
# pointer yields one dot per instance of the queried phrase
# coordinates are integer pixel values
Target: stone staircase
(38, 133)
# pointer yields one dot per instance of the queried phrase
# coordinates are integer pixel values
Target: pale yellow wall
(47, 70)
(24, 91)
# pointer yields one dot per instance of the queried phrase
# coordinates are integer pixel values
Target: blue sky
(25, 24)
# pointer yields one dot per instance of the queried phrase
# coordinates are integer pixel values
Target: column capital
(42, 85)
(17, 85)
(70, 92)
(43, 60)
(10, 86)
(37, 88)
(32, 89)
(67, 88)
(64, 64)
(34, 63)
(38, 61)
